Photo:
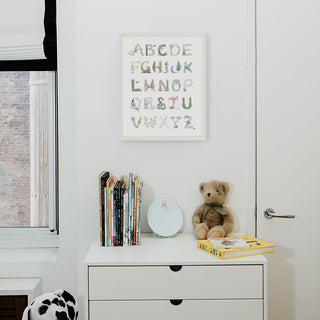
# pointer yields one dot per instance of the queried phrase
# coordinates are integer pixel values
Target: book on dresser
(228, 251)
(120, 209)
(108, 226)
(103, 177)
(116, 197)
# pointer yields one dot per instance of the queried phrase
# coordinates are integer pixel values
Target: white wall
(173, 169)
(89, 111)
(169, 169)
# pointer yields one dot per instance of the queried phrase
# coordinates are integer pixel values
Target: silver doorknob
(269, 213)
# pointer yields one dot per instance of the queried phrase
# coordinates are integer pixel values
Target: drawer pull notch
(175, 268)
(176, 302)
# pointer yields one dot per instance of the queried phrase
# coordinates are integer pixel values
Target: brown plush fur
(214, 224)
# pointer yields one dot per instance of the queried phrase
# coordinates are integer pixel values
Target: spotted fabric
(58, 305)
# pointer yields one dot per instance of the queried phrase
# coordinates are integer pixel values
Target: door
(288, 167)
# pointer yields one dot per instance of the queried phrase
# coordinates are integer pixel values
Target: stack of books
(120, 210)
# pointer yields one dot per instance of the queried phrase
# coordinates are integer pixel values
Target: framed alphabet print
(162, 86)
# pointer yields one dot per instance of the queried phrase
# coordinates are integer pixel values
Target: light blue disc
(165, 218)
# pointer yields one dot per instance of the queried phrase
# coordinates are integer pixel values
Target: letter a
(135, 50)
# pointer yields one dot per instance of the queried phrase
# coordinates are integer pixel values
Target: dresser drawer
(191, 282)
(187, 310)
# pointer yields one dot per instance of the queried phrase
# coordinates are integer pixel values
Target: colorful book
(100, 206)
(108, 211)
(105, 218)
(121, 205)
(139, 213)
(103, 177)
(135, 187)
(111, 208)
(125, 218)
(256, 246)
(131, 206)
(116, 198)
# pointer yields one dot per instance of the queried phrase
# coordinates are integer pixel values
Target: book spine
(121, 217)
(102, 214)
(131, 214)
(140, 213)
(129, 209)
(106, 217)
(112, 216)
(103, 177)
(209, 249)
(115, 208)
(100, 206)
(125, 219)
(135, 215)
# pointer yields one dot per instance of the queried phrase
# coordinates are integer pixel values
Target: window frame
(42, 237)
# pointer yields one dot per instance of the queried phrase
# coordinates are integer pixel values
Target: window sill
(28, 238)
(29, 255)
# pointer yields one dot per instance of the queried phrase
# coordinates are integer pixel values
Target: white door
(288, 111)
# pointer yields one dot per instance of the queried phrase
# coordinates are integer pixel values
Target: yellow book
(256, 246)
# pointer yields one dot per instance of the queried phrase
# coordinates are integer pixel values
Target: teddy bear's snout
(208, 194)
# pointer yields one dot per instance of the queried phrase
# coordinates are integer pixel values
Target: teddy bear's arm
(196, 218)
(228, 222)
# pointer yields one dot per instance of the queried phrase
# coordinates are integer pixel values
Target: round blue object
(165, 218)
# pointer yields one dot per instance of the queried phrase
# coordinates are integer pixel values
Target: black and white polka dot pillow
(58, 305)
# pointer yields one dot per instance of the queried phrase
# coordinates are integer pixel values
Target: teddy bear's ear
(225, 187)
(201, 187)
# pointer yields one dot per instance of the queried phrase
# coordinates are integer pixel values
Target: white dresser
(169, 278)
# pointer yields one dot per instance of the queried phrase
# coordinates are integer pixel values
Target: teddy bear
(212, 219)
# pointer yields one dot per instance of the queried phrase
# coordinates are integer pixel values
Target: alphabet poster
(163, 86)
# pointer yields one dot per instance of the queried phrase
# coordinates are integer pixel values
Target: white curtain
(21, 29)
(39, 170)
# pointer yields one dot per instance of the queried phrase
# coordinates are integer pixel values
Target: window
(28, 159)
(28, 124)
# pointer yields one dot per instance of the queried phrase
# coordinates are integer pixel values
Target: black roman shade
(41, 57)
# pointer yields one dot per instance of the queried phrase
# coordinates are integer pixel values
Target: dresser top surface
(179, 250)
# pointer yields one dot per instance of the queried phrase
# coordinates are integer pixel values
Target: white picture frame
(162, 86)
